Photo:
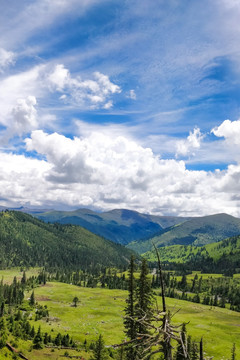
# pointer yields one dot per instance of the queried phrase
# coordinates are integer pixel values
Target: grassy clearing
(101, 311)
(8, 275)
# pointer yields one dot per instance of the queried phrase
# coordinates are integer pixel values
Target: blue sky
(120, 104)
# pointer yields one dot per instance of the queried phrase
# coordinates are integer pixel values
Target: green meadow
(9, 274)
(100, 311)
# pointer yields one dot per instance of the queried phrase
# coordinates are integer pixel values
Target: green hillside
(121, 226)
(222, 257)
(27, 241)
(196, 231)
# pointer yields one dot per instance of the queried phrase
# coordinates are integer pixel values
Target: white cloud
(94, 93)
(24, 116)
(42, 83)
(132, 95)
(24, 19)
(20, 86)
(193, 142)
(113, 171)
(59, 78)
(230, 130)
(6, 58)
(19, 179)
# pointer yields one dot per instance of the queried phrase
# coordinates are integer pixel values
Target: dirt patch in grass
(43, 298)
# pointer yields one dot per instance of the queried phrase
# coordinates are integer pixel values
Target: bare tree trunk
(166, 344)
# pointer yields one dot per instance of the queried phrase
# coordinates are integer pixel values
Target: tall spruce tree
(144, 297)
(129, 320)
(144, 302)
(99, 351)
(32, 299)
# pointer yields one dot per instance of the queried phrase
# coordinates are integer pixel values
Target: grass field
(101, 311)
(8, 275)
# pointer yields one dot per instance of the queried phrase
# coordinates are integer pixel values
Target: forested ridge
(220, 257)
(27, 241)
(197, 231)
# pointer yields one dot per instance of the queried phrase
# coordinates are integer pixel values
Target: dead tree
(160, 332)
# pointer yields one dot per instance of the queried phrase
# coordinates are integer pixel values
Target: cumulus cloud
(113, 171)
(193, 142)
(67, 157)
(94, 92)
(6, 58)
(18, 112)
(20, 86)
(24, 116)
(230, 130)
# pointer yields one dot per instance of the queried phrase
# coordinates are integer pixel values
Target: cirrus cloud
(6, 58)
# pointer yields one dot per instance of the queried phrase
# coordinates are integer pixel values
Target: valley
(100, 311)
(57, 263)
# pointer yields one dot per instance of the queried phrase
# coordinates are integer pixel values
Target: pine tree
(32, 299)
(38, 340)
(201, 350)
(32, 333)
(194, 352)
(215, 301)
(144, 297)
(75, 301)
(99, 351)
(129, 321)
(144, 300)
(233, 352)
(24, 279)
(2, 309)
(45, 340)
(3, 333)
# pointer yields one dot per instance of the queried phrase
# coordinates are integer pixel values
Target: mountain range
(197, 231)
(120, 225)
(206, 242)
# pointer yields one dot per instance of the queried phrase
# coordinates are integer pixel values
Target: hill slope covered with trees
(27, 241)
(219, 257)
(197, 231)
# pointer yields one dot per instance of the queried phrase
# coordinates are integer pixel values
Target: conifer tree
(144, 300)
(2, 309)
(201, 350)
(3, 333)
(38, 340)
(99, 351)
(194, 352)
(144, 297)
(32, 299)
(24, 279)
(32, 332)
(129, 321)
(233, 352)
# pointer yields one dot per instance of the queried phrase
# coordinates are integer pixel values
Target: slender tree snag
(161, 279)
